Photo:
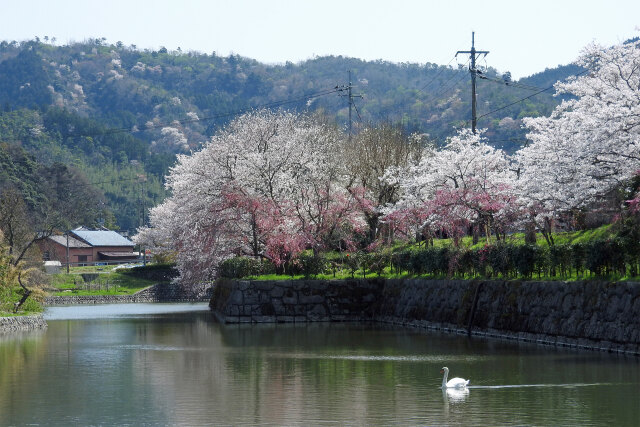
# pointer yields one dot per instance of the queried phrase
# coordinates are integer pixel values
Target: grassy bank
(101, 280)
(8, 297)
(589, 254)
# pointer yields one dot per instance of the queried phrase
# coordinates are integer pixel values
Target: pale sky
(523, 37)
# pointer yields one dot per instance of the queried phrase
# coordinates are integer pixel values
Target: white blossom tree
(591, 142)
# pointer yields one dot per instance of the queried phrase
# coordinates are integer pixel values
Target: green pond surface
(157, 364)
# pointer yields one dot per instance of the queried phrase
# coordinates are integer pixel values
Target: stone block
(236, 297)
(264, 285)
(317, 312)
(290, 297)
(278, 307)
(277, 292)
(310, 298)
(318, 285)
(251, 296)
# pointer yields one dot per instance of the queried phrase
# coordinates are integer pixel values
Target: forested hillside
(119, 115)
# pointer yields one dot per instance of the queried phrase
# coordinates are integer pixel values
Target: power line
(527, 97)
(436, 76)
(444, 89)
(508, 82)
(357, 112)
(112, 131)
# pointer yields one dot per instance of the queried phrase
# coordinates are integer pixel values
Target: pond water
(155, 364)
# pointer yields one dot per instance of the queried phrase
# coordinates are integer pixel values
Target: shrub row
(239, 267)
(595, 258)
(159, 272)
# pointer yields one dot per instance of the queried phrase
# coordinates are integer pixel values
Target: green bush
(239, 267)
(311, 264)
(378, 261)
(401, 261)
(500, 259)
(159, 272)
(525, 258)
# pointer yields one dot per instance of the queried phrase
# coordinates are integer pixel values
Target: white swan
(455, 395)
(453, 382)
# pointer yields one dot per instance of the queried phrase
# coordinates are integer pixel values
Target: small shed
(52, 267)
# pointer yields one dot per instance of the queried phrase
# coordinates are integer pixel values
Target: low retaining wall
(296, 301)
(161, 292)
(22, 323)
(595, 315)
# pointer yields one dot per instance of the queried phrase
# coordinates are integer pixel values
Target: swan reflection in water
(455, 395)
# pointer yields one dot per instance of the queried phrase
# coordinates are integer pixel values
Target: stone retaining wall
(296, 301)
(597, 315)
(22, 323)
(161, 292)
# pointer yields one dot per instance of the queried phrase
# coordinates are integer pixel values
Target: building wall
(97, 249)
(59, 253)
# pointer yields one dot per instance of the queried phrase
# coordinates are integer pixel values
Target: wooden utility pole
(68, 251)
(143, 221)
(472, 69)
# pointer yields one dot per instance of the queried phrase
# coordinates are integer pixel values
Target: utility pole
(350, 96)
(143, 179)
(472, 69)
(68, 251)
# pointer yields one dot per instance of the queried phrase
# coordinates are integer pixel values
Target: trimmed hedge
(597, 258)
(158, 272)
(594, 258)
(239, 267)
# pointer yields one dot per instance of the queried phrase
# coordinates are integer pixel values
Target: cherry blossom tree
(369, 155)
(467, 183)
(267, 185)
(591, 143)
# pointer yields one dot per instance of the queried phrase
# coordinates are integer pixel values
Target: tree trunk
(530, 233)
(26, 294)
(548, 230)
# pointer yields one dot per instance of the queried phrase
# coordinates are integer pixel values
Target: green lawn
(10, 296)
(568, 237)
(346, 274)
(343, 271)
(100, 280)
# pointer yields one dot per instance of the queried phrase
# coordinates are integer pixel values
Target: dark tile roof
(73, 243)
(118, 254)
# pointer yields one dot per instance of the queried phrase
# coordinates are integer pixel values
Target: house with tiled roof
(87, 246)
